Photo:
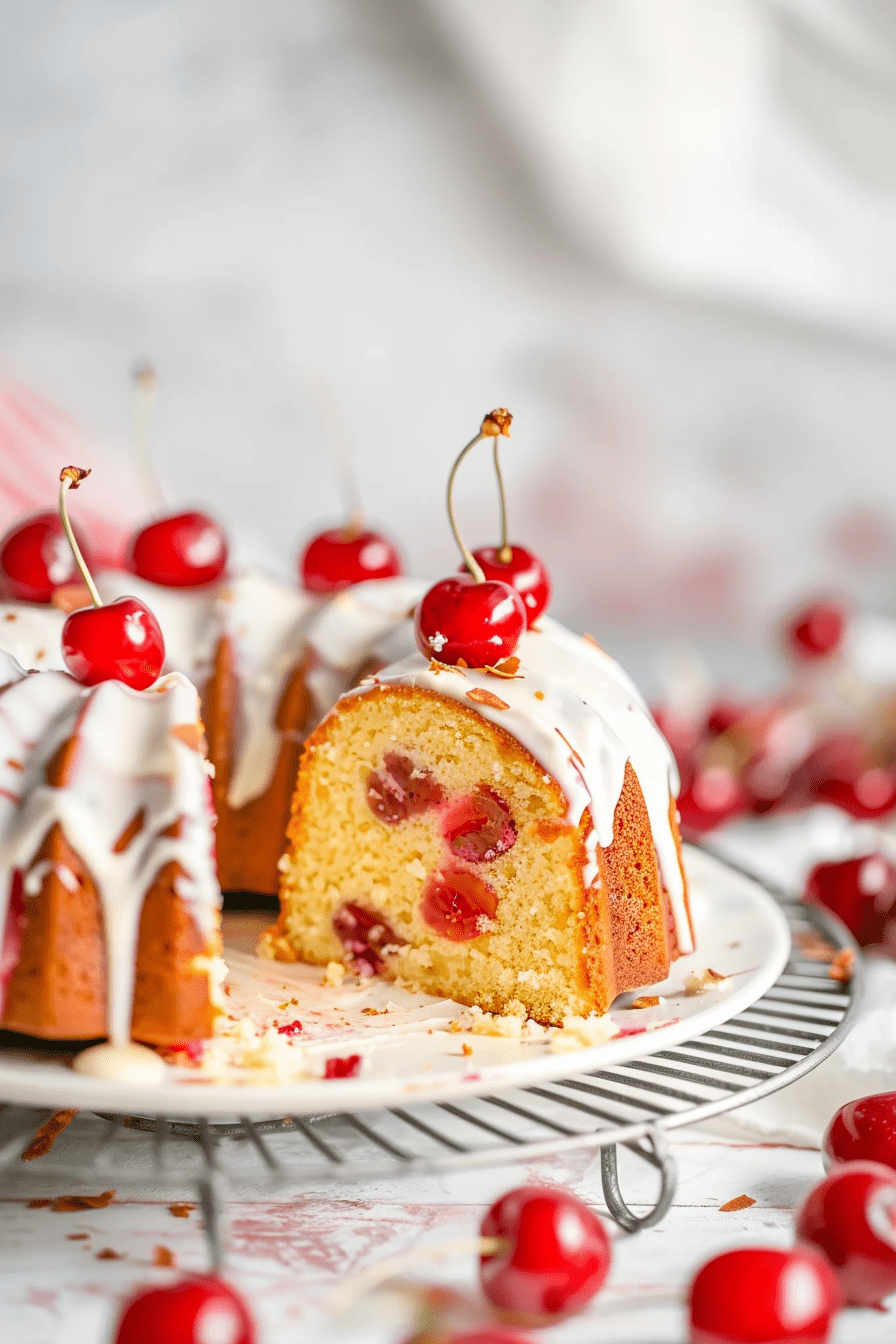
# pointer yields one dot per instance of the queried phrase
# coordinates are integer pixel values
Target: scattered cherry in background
(761, 1295)
(343, 556)
(185, 550)
(851, 1218)
(36, 559)
(194, 1311)
(557, 1255)
(863, 1131)
(862, 893)
(460, 619)
(818, 629)
(713, 796)
(523, 571)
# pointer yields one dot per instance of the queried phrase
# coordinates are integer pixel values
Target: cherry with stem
(117, 641)
(514, 564)
(340, 557)
(471, 618)
(175, 550)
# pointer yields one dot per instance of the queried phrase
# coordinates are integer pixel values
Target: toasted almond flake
(539, 695)
(843, 966)
(38, 1203)
(483, 697)
(181, 1210)
(589, 639)
(164, 1257)
(507, 668)
(189, 734)
(813, 947)
(645, 1001)
(47, 1135)
(78, 1236)
(71, 597)
(107, 1253)
(436, 667)
(740, 1202)
(575, 755)
(77, 1203)
(466, 1048)
(131, 831)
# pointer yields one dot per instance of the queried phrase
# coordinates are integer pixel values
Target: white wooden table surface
(288, 1255)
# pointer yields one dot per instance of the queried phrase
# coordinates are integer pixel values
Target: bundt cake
(506, 837)
(109, 902)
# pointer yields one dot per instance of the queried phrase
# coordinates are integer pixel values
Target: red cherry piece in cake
(479, 623)
(290, 1028)
(861, 892)
(714, 795)
(817, 630)
(186, 550)
(457, 904)
(121, 641)
(851, 1218)
(479, 827)
(194, 1311)
(557, 1255)
(36, 559)
(364, 934)
(349, 1066)
(341, 557)
(863, 1131)
(402, 789)
(761, 1295)
(523, 571)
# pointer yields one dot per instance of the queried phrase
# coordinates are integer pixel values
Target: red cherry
(364, 935)
(714, 795)
(457, 903)
(869, 794)
(817, 629)
(195, 1311)
(480, 827)
(347, 1067)
(340, 557)
(861, 892)
(851, 1218)
(863, 1130)
(557, 1257)
(760, 1295)
(523, 571)
(290, 1028)
(36, 559)
(401, 789)
(120, 641)
(480, 623)
(183, 551)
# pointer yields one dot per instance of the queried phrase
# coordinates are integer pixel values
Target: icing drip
(580, 716)
(129, 758)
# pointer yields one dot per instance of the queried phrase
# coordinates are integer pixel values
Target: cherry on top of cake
(174, 550)
(115, 641)
(476, 618)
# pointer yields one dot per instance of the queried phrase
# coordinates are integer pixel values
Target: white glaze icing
(32, 635)
(129, 758)
(130, 1063)
(585, 722)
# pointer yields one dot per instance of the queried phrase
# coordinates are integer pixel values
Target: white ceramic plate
(408, 1051)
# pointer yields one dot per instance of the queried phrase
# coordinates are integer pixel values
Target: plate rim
(60, 1087)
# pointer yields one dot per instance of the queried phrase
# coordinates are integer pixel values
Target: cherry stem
(341, 447)
(145, 391)
(505, 553)
(69, 479)
(347, 1295)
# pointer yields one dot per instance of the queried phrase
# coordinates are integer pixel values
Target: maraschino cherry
(469, 618)
(343, 556)
(36, 559)
(194, 1311)
(556, 1258)
(181, 550)
(851, 1218)
(761, 1295)
(119, 641)
(516, 565)
(863, 1131)
(861, 892)
(817, 630)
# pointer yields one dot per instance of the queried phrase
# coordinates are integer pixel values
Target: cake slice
(509, 841)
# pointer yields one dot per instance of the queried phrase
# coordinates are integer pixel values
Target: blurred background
(662, 234)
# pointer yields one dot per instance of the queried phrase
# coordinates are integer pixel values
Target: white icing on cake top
(575, 710)
(32, 635)
(132, 754)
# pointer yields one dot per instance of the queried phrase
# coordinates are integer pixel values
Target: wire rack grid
(787, 1032)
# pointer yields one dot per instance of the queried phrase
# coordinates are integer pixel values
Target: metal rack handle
(658, 1155)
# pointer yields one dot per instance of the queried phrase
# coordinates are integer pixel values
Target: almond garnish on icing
(483, 697)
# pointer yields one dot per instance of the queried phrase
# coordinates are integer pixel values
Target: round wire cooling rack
(782, 1036)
